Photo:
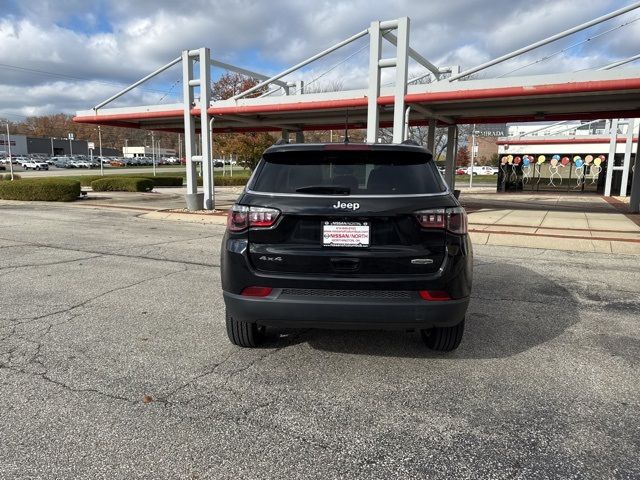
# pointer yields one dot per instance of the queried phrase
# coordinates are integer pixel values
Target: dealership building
(25, 145)
(131, 152)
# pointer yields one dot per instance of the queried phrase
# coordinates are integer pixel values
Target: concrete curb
(216, 219)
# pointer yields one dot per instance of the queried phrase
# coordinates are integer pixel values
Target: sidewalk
(583, 223)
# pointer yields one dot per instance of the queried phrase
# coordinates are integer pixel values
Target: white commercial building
(130, 152)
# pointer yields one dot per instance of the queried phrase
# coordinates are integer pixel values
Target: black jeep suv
(351, 236)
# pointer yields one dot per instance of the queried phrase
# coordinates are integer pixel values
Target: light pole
(126, 146)
(100, 147)
(153, 153)
(51, 138)
(70, 144)
(473, 150)
(9, 146)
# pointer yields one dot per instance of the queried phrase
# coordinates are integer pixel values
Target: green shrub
(159, 181)
(42, 189)
(166, 181)
(122, 184)
(227, 181)
(7, 176)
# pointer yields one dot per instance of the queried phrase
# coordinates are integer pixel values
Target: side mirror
(456, 193)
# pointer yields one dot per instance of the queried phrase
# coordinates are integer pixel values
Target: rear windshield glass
(348, 172)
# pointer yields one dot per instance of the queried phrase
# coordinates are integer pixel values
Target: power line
(547, 57)
(333, 67)
(71, 77)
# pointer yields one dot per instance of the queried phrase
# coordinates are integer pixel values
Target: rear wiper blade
(325, 189)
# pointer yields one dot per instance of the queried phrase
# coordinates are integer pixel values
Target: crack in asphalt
(292, 340)
(111, 254)
(37, 357)
(61, 262)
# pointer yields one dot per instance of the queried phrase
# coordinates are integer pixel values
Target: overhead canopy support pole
(634, 201)
(373, 113)
(626, 164)
(189, 128)
(244, 71)
(620, 62)
(415, 55)
(301, 64)
(613, 132)
(545, 41)
(402, 72)
(450, 164)
(205, 137)
(139, 82)
(431, 137)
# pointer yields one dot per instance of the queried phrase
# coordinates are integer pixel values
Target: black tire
(244, 334)
(443, 339)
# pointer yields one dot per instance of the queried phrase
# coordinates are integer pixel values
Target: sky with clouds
(67, 55)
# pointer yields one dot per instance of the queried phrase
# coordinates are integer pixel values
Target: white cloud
(111, 43)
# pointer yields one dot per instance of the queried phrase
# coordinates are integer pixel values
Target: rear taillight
(242, 217)
(452, 219)
(256, 291)
(238, 218)
(434, 295)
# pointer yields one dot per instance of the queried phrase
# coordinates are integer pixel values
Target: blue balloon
(525, 162)
(556, 157)
(579, 163)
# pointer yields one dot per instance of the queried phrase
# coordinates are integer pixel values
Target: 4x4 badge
(350, 206)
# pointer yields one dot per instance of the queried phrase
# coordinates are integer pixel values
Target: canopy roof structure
(457, 99)
(581, 96)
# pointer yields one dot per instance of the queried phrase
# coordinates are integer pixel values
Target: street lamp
(473, 149)
(100, 147)
(6, 122)
(153, 152)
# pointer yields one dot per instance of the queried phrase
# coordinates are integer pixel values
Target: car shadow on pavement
(513, 309)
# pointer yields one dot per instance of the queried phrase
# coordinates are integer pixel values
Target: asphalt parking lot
(114, 363)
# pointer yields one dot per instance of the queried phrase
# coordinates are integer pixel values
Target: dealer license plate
(345, 234)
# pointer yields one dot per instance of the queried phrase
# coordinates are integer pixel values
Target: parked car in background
(217, 163)
(461, 171)
(482, 170)
(60, 162)
(33, 165)
(80, 164)
(117, 163)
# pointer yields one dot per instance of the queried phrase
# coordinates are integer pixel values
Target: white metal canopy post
(402, 66)
(634, 201)
(626, 163)
(205, 99)
(373, 113)
(613, 132)
(189, 131)
(452, 141)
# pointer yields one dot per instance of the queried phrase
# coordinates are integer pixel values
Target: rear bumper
(280, 310)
